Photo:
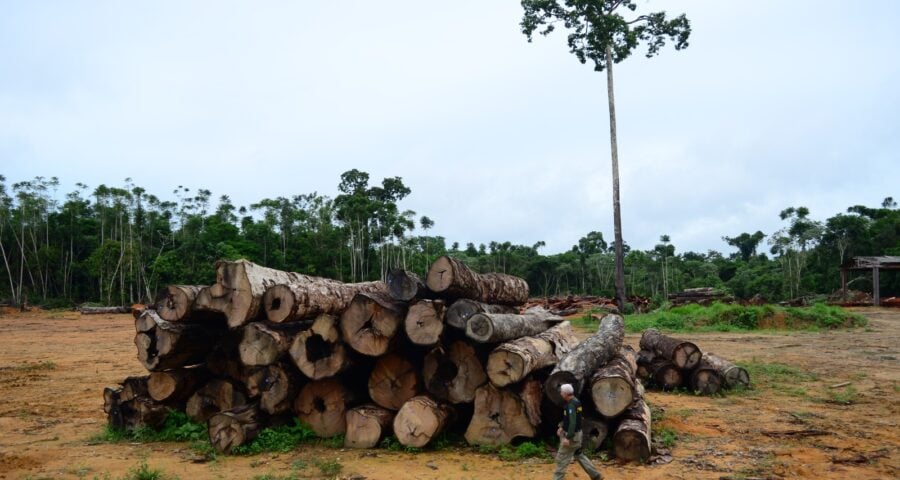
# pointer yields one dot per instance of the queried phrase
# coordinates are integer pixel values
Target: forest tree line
(118, 245)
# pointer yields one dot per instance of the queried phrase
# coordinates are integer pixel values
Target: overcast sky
(774, 104)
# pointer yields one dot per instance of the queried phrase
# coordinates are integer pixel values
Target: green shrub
(283, 438)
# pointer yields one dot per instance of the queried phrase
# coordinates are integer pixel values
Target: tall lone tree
(598, 32)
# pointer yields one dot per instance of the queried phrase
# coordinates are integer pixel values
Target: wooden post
(876, 287)
(844, 284)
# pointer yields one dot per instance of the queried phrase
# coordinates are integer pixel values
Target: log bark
(665, 374)
(453, 373)
(632, 439)
(215, 396)
(319, 351)
(596, 350)
(424, 322)
(501, 327)
(175, 303)
(733, 375)
(451, 277)
(371, 322)
(264, 344)
(322, 404)
(393, 381)
(278, 388)
(685, 355)
(366, 425)
(512, 361)
(175, 386)
(705, 379)
(459, 311)
(103, 310)
(310, 297)
(164, 345)
(614, 387)
(594, 433)
(500, 416)
(239, 289)
(139, 412)
(405, 286)
(420, 420)
(235, 427)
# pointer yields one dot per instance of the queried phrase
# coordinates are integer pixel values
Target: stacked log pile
(700, 296)
(669, 363)
(413, 357)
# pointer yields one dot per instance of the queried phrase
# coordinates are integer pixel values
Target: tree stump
(501, 327)
(500, 416)
(370, 323)
(366, 425)
(453, 373)
(733, 375)
(685, 355)
(405, 286)
(175, 303)
(214, 397)
(309, 297)
(512, 361)
(451, 277)
(424, 322)
(614, 386)
(164, 345)
(322, 404)
(235, 427)
(586, 357)
(319, 352)
(393, 381)
(632, 439)
(459, 311)
(420, 420)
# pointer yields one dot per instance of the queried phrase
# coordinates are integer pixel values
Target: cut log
(370, 323)
(733, 375)
(309, 297)
(705, 379)
(175, 303)
(134, 387)
(322, 404)
(614, 386)
(459, 311)
(176, 385)
(500, 327)
(239, 289)
(500, 416)
(424, 322)
(594, 433)
(420, 420)
(164, 345)
(512, 361)
(214, 397)
(103, 310)
(405, 286)
(278, 389)
(224, 361)
(665, 374)
(451, 277)
(632, 439)
(453, 373)
(366, 425)
(685, 355)
(319, 351)
(235, 427)
(393, 381)
(264, 344)
(111, 398)
(596, 350)
(644, 359)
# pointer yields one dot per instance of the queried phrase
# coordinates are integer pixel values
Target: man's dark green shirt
(572, 413)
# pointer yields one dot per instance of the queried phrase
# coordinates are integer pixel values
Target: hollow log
(733, 375)
(174, 386)
(393, 381)
(235, 427)
(632, 439)
(309, 297)
(614, 386)
(215, 396)
(264, 344)
(278, 388)
(705, 379)
(175, 303)
(685, 355)
(665, 374)
(512, 361)
(501, 327)
(458, 312)
(164, 345)
(451, 277)
(453, 373)
(500, 416)
(319, 351)
(366, 425)
(370, 323)
(594, 432)
(405, 286)
(596, 350)
(420, 420)
(239, 289)
(322, 404)
(424, 322)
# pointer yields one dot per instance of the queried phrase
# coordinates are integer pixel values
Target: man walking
(570, 437)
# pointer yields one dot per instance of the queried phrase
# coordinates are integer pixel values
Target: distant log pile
(413, 357)
(700, 296)
(579, 304)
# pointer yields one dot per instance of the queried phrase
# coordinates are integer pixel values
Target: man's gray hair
(566, 389)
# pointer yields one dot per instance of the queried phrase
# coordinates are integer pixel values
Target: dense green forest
(118, 245)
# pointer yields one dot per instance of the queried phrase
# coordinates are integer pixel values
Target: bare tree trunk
(617, 210)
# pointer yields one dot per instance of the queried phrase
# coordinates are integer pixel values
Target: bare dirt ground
(53, 367)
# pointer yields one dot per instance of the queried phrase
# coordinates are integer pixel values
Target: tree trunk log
(420, 420)
(366, 425)
(513, 361)
(451, 277)
(175, 303)
(175, 386)
(370, 323)
(665, 374)
(319, 352)
(164, 345)
(501, 327)
(278, 388)
(103, 310)
(685, 355)
(453, 373)
(264, 344)
(322, 404)
(214, 397)
(594, 433)
(139, 412)
(310, 297)
(614, 386)
(424, 322)
(632, 438)
(459, 311)
(500, 416)
(705, 379)
(596, 350)
(235, 427)
(733, 375)
(405, 286)
(644, 359)
(393, 381)
(240, 286)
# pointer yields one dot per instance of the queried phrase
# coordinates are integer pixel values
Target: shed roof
(865, 263)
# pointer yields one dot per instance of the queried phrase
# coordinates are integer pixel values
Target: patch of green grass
(511, 453)
(778, 377)
(144, 472)
(665, 435)
(177, 428)
(283, 438)
(844, 396)
(329, 468)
